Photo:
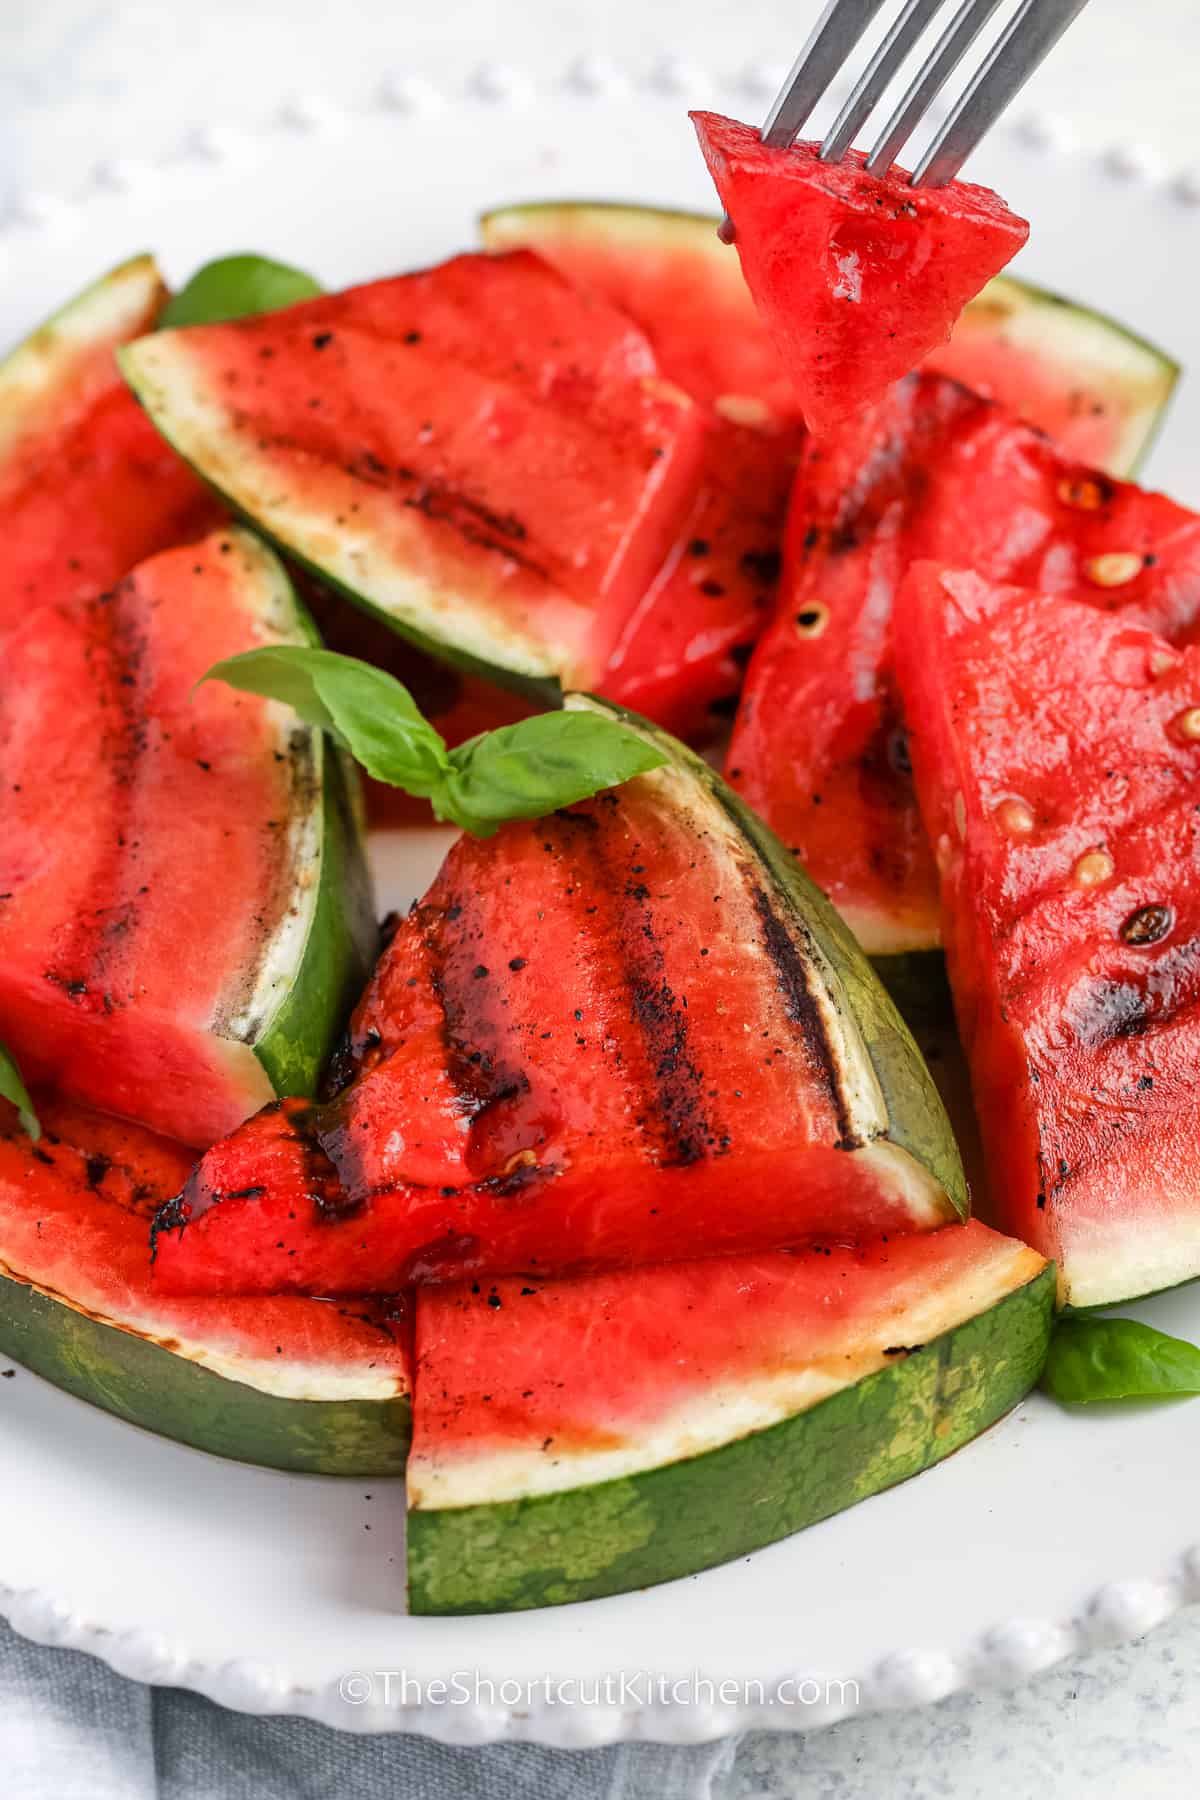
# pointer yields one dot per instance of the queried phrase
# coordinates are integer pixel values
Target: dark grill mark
(96, 945)
(792, 977)
(678, 1094)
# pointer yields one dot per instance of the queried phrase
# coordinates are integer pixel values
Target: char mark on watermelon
(1055, 753)
(818, 746)
(627, 1033)
(132, 795)
(294, 1383)
(857, 277)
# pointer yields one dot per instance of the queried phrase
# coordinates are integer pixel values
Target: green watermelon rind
(917, 1121)
(684, 1516)
(160, 1390)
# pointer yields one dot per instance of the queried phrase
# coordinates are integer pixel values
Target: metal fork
(1034, 29)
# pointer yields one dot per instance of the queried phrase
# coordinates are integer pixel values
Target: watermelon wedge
(291, 1383)
(818, 746)
(1057, 757)
(629, 1032)
(185, 915)
(857, 277)
(588, 1436)
(1095, 387)
(480, 453)
(87, 487)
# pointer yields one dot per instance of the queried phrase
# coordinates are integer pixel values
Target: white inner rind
(283, 1377)
(897, 1173)
(1103, 1262)
(472, 1474)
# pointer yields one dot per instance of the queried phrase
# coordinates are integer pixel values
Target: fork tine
(929, 81)
(874, 80)
(1033, 32)
(835, 34)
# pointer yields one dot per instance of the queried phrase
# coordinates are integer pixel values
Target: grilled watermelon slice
(857, 277)
(292, 1383)
(587, 1436)
(818, 746)
(185, 917)
(1057, 754)
(629, 1032)
(482, 454)
(1095, 387)
(87, 486)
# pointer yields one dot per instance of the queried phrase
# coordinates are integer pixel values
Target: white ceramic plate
(285, 1594)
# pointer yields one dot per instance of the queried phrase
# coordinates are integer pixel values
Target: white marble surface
(87, 86)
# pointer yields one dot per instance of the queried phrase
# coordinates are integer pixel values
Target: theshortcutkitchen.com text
(619, 1688)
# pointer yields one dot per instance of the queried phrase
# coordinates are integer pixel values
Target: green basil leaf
(1117, 1359)
(368, 711)
(521, 771)
(526, 770)
(237, 287)
(14, 1089)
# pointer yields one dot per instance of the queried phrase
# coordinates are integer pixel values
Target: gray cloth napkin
(72, 1730)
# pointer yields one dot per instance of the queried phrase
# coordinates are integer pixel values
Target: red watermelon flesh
(87, 486)
(694, 307)
(932, 471)
(682, 653)
(857, 277)
(144, 840)
(74, 1212)
(554, 1385)
(592, 1043)
(478, 431)
(1057, 757)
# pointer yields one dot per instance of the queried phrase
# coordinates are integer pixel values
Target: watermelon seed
(1016, 817)
(812, 621)
(1161, 661)
(742, 409)
(1093, 868)
(1188, 723)
(1114, 569)
(960, 815)
(1086, 492)
(658, 389)
(1147, 925)
(945, 853)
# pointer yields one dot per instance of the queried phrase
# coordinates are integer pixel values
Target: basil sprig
(520, 771)
(14, 1089)
(237, 287)
(1117, 1359)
